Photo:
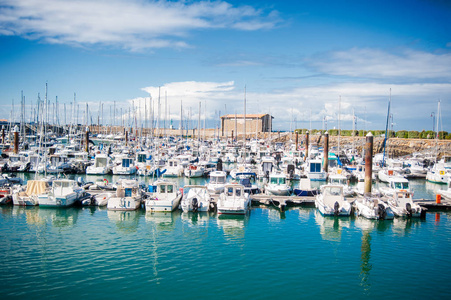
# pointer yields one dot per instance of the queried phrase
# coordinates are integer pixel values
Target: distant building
(254, 123)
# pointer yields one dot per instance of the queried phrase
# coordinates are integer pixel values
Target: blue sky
(296, 59)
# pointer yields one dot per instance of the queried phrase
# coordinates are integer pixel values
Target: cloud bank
(128, 24)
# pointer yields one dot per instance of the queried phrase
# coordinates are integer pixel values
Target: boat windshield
(217, 179)
(332, 191)
(401, 185)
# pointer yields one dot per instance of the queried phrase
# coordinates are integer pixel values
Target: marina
(282, 215)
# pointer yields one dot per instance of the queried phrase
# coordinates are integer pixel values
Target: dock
(432, 205)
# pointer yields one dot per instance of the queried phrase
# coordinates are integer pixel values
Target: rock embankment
(395, 146)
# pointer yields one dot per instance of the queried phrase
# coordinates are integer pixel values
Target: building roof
(232, 116)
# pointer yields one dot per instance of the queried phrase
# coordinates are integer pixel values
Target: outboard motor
(409, 209)
(267, 175)
(80, 181)
(381, 211)
(195, 205)
(290, 170)
(219, 165)
(336, 208)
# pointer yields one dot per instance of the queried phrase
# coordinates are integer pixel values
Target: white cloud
(368, 100)
(372, 63)
(131, 24)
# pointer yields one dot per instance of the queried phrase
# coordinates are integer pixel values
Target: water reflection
(233, 226)
(274, 214)
(59, 218)
(365, 266)
(196, 218)
(330, 226)
(126, 221)
(404, 226)
(304, 212)
(163, 220)
(368, 226)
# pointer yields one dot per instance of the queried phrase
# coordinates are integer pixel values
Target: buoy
(438, 198)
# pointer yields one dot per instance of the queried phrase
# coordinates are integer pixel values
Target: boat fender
(336, 208)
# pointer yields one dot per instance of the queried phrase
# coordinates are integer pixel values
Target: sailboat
(438, 173)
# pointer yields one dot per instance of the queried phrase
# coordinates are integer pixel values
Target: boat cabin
(127, 162)
(235, 190)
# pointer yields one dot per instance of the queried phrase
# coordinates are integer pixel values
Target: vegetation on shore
(404, 134)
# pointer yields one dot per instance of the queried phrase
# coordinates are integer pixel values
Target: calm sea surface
(92, 253)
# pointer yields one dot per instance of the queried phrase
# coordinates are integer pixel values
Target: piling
(368, 163)
(232, 135)
(126, 138)
(16, 140)
(3, 134)
(297, 140)
(87, 140)
(306, 145)
(326, 152)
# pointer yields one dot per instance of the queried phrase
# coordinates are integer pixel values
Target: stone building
(254, 123)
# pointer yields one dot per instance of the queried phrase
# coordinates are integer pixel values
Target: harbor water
(92, 253)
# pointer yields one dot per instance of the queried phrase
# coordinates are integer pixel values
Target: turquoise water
(91, 253)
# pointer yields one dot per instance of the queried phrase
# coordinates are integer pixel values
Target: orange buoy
(438, 198)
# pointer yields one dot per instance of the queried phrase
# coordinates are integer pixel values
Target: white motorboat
(194, 171)
(101, 166)
(127, 167)
(385, 174)
(166, 197)
(438, 174)
(195, 198)
(174, 168)
(305, 188)
(373, 208)
(29, 195)
(277, 185)
(402, 205)
(98, 199)
(144, 163)
(63, 193)
(315, 171)
(340, 179)
(217, 182)
(332, 202)
(233, 200)
(446, 193)
(241, 168)
(266, 167)
(128, 196)
(395, 184)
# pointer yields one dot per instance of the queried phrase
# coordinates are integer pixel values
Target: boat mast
(244, 137)
(339, 125)
(198, 123)
(436, 137)
(386, 130)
